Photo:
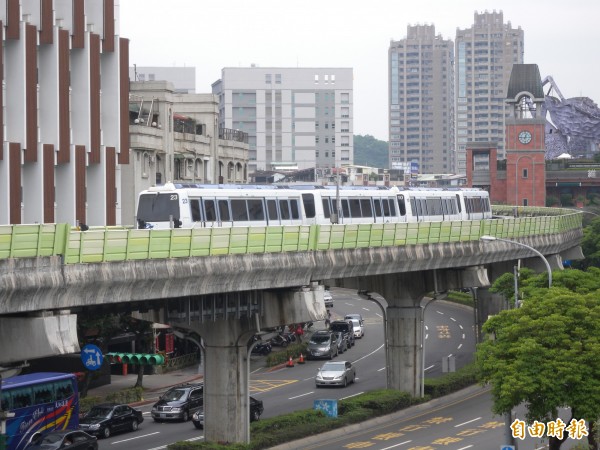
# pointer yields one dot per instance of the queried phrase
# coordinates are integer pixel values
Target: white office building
(296, 118)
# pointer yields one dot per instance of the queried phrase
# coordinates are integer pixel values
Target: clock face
(525, 137)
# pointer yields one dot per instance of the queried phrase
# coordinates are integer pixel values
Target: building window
(151, 77)
(277, 78)
(525, 202)
(316, 79)
(525, 174)
(268, 78)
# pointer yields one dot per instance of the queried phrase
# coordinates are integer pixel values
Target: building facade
(520, 178)
(64, 121)
(421, 101)
(295, 118)
(485, 54)
(177, 137)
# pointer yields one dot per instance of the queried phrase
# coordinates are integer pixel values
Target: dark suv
(179, 402)
(345, 328)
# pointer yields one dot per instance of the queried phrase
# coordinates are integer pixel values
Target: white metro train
(203, 205)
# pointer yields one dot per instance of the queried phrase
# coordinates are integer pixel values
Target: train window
(272, 210)
(435, 206)
(392, 207)
(294, 208)
(413, 206)
(239, 212)
(354, 207)
(402, 205)
(224, 211)
(326, 208)
(386, 207)
(345, 208)
(195, 207)
(158, 207)
(284, 207)
(210, 211)
(256, 209)
(366, 208)
(378, 210)
(458, 202)
(309, 205)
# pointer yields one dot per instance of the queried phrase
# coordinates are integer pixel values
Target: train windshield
(158, 207)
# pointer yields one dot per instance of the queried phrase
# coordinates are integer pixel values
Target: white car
(328, 299)
(338, 373)
(359, 328)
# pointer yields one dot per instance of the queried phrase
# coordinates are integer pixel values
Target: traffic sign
(92, 357)
(507, 447)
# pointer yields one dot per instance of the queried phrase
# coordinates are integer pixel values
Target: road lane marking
(397, 445)
(458, 348)
(452, 319)
(379, 370)
(366, 309)
(439, 312)
(369, 354)
(430, 367)
(461, 327)
(353, 395)
(137, 437)
(463, 448)
(301, 395)
(467, 422)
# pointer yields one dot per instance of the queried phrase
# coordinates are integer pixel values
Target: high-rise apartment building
(485, 54)
(421, 101)
(296, 118)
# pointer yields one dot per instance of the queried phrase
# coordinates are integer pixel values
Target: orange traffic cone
(301, 360)
(290, 362)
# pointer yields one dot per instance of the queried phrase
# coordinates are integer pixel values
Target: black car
(72, 439)
(105, 419)
(256, 410)
(345, 327)
(179, 403)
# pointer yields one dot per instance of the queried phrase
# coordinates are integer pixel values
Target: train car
(207, 206)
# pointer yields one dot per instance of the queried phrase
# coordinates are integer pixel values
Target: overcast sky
(561, 37)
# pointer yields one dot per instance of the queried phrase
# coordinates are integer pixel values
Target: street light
(493, 238)
(508, 415)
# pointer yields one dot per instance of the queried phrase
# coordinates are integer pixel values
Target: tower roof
(525, 78)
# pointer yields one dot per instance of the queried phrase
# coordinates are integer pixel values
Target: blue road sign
(507, 447)
(329, 407)
(92, 357)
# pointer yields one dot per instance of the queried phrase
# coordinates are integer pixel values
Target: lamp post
(508, 415)
(492, 238)
(423, 308)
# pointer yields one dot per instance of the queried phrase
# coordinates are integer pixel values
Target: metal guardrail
(106, 244)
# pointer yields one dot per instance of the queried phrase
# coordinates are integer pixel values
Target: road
(448, 332)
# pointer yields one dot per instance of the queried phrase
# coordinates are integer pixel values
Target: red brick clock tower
(525, 147)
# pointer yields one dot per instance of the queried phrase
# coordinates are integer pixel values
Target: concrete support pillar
(226, 376)
(404, 344)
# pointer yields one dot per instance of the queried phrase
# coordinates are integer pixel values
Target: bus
(40, 402)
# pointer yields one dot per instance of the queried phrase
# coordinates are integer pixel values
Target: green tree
(590, 245)
(544, 354)
(370, 152)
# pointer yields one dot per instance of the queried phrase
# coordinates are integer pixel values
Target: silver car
(322, 344)
(328, 299)
(338, 373)
(341, 341)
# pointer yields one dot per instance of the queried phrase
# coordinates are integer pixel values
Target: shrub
(292, 350)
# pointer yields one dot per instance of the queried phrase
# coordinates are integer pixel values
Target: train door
(272, 216)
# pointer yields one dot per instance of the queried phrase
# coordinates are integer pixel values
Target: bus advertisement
(40, 402)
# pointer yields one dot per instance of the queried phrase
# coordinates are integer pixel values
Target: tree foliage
(545, 354)
(370, 152)
(590, 245)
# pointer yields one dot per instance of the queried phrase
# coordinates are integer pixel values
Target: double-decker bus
(40, 402)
